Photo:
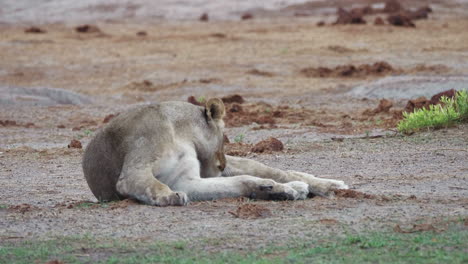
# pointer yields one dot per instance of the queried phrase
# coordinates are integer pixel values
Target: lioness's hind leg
(141, 185)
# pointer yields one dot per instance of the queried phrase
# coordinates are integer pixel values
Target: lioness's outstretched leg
(199, 189)
(183, 175)
(318, 186)
(137, 181)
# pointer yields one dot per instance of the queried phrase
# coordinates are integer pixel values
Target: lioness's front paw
(319, 186)
(271, 190)
(302, 189)
(174, 198)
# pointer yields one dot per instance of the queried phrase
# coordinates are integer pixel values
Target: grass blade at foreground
(378, 247)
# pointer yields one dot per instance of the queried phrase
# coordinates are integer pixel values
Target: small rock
(204, 17)
(75, 144)
(269, 145)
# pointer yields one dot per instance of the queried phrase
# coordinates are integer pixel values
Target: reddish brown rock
(355, 16)
(269, 145)
(75, 144)
(246, 16)
(379, 21)
(35, 30)
(87, 29)
(400, 20)
(204, 17)
(235, 98)
(435, 99)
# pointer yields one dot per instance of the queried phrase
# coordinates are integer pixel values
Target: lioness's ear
(215, 109)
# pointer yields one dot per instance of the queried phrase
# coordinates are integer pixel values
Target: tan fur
(172, 152)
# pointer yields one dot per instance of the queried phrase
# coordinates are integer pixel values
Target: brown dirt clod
(353, 194)
(35, 30)
(235, 98)
(75, 144)
(320, 24)
(400, 20)
(355, 16)
(379, 21)
(269, 145)
(384, 106)
(87, 29)
(21, 208)
(204, 17)
(251, 211)
(218, 35)
(9, 123)
(237, 149)
(378, 68)
(423, 102)
(435, 99)
(247, 16)
(260, 73)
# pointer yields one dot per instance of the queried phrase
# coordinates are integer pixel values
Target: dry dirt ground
(324, 126)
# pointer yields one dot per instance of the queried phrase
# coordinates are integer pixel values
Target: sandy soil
(326, 128)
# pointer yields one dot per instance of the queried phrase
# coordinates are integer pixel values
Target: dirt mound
(401, 20)
(355, 16)
(383, 107)
(260, 73)
(268, 145)
(331, 121)
(22, 208)
(251, 211)
(423, 102)
(235, 98)
(75, 144)
(143, 86)
(397, 14)
(353, 194)
(204, 17)
(247, 16)
(12, 123)
(35, 30)
(87, 29)
(237, 115)
(436, 68)
(377, 69)
(237, 149)
(379, 21)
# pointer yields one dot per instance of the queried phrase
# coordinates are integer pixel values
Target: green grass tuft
(451, 112)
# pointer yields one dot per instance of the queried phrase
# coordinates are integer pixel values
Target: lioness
(172, 152)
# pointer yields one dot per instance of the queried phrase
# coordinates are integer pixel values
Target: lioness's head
(214, 113)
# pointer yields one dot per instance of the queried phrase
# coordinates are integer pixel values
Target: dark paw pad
(265, 188)
(280, 196)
